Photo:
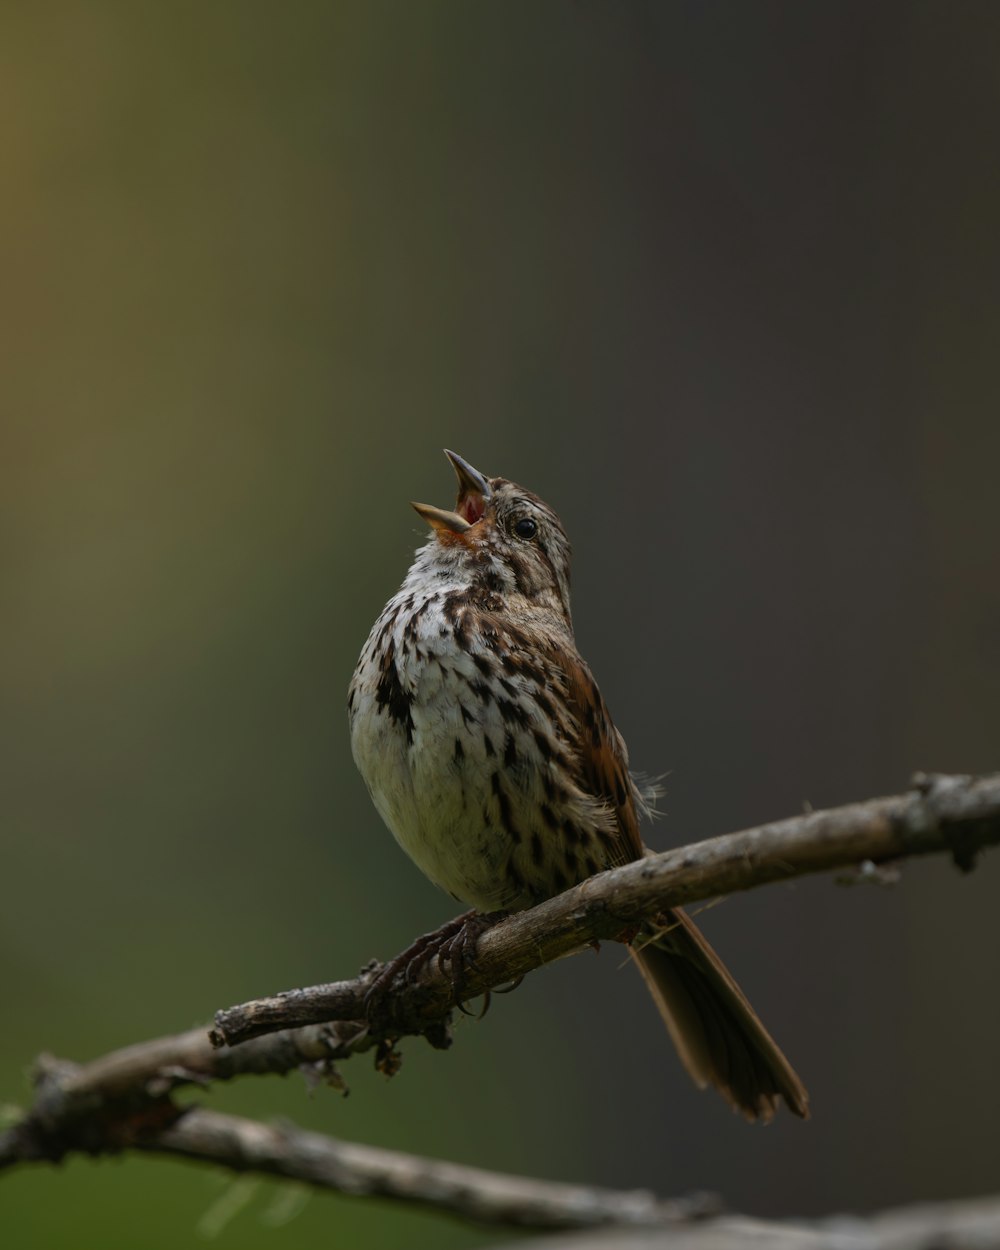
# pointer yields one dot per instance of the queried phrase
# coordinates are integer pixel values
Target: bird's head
(502, 534)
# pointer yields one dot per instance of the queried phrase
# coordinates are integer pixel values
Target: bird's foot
(454, 947)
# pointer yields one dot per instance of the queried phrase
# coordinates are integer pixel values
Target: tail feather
(718, 1035)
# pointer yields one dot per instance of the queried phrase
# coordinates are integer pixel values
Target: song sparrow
(490, 754)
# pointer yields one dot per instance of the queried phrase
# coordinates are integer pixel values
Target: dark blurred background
(720, 281)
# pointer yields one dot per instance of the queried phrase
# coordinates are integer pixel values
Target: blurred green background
(720, 282)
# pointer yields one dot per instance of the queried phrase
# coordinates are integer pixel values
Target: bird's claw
(454, 947)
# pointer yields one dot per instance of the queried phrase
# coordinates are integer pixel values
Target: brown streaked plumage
(491, 755)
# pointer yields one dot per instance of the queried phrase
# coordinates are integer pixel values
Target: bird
(489, 752)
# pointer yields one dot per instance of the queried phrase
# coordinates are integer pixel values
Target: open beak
(473, 488)
(473, 494)
(438, 519)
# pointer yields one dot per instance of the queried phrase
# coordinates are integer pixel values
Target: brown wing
(718, 1035)
(601, 757)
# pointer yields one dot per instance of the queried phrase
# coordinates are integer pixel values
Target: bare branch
(471, 1193)
(971, 1224)
(124, 1100)
(69, 1097)
(119, 1103)
(955, 815)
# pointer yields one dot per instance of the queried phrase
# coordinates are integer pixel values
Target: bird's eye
(525, 528)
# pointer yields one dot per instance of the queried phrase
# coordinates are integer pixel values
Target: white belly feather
(437, 799)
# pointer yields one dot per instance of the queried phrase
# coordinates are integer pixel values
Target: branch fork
(124, 1100)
